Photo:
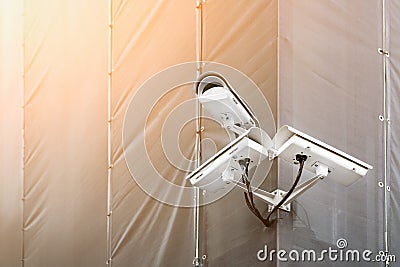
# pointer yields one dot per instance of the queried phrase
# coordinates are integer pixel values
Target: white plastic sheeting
(11, 70)
(65, 113)
(394, 115)
(246, 38)
(148, 36)
(330, 85)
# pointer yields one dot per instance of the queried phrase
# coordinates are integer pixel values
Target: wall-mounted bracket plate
(278, 195)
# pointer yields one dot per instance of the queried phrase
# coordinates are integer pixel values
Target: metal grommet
(383, 52)
(196, 261)
(204, 257)
(380, 117)
(388, 188)
(380, 184)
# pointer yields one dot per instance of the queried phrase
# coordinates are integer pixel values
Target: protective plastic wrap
(394, 109)
(246, 39)
(65, 113)
(148, 36)
(11, 93)
(330, 85)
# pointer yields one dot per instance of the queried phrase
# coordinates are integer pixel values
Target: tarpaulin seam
(109, 121)
(197, 261)
(386, 88)
(23, 136)
(278, 119)
(394, 162)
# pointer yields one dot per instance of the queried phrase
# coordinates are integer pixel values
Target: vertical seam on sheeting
(277, 105)
(199, 62)
(277, 65)
(23, 135)
(385, 122)
(109, 120)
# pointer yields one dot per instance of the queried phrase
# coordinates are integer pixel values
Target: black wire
(251, 205)
(249, 195)
(301, 159)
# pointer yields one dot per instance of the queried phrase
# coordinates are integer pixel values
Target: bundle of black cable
(244, 163)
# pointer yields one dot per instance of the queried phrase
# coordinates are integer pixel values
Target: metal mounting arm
(273, 198)
(321, 171)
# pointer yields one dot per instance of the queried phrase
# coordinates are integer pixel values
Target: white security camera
(342, 167)
(224, 104)
(252, 146)
(224, 167)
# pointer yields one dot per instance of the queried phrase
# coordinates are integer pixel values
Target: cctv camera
(253, 146)
(224, 104)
